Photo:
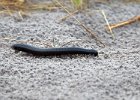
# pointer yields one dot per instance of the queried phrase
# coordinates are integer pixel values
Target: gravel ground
(114, 75)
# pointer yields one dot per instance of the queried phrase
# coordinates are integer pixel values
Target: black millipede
(52, 51)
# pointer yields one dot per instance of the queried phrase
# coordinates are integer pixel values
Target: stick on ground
(132, 20)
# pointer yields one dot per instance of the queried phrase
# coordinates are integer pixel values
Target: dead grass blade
(82, 25)
(65, 17)
(109, 27)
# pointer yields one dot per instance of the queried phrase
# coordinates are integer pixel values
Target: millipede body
(52, 51)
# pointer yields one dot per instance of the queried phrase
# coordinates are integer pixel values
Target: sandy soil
(114, 75)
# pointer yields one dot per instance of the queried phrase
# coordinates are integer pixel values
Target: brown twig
(132, 20)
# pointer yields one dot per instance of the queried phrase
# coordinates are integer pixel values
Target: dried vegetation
(23, 6)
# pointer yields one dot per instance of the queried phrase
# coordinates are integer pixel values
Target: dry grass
(11, 6)
(20, 6)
